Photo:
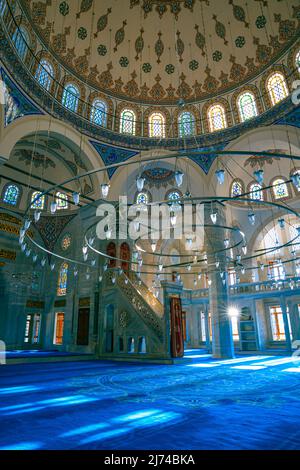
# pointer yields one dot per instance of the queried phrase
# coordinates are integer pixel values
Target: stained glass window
(21, 40)
(11, 194)
(38, 203)
(173, 196)
(70, 98)
(99, 113)
(186, 124)
(44, 74)
(127, 122)
(297, 61)
(66, 241)
(247, 106)
(277, 88)
(216, 118)
(256, 192)
(280, 189)
(62, 280)
(236, 188)
(59, 328)
(156, 125)
(142, 198)
(62, 200)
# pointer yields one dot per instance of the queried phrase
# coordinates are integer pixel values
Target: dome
(160, 51)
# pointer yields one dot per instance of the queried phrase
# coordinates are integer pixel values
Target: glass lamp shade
(281, 223)
(296, 180)
(173, 219)
(179, 177)
(153, 246)
(104, 190)
(76, 197)
(220, 175)
(259, 176)
(140, 181)
(53, 207)
(251, 218)
(27, 224)
(213, 217)
(37, 216)
(108, 234)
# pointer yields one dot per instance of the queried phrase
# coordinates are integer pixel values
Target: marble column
(222, 340)
(286, 324)
(294, 319)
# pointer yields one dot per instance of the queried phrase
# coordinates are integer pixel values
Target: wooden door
(83, 326)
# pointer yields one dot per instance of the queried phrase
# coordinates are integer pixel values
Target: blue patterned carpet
(246, 403)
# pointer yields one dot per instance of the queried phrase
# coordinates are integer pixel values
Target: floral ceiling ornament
(102, 22)
(120, 36)
(139, 44)
(84, 7)
(158, 177)
(163, 6)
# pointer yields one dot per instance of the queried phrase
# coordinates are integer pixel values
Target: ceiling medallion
(161, 6)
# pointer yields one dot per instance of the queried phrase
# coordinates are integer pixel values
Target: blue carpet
(248, 403)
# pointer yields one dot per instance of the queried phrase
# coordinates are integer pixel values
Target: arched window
(142, 198)
(157, 125)
(216, 118)
(21, 41)
(62, 200)
(62, 280)
(127, 122)
(173, 195)
(11, 195)
(44, 74)
(247, 106)
(70, 98)
(297, 61)
(99, 113)
(280, 189)
(39, 203)
(236, 188)
(277, 88)
(186, 124)
(256, 192)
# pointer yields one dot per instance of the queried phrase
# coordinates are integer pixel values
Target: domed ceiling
(162, 50)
